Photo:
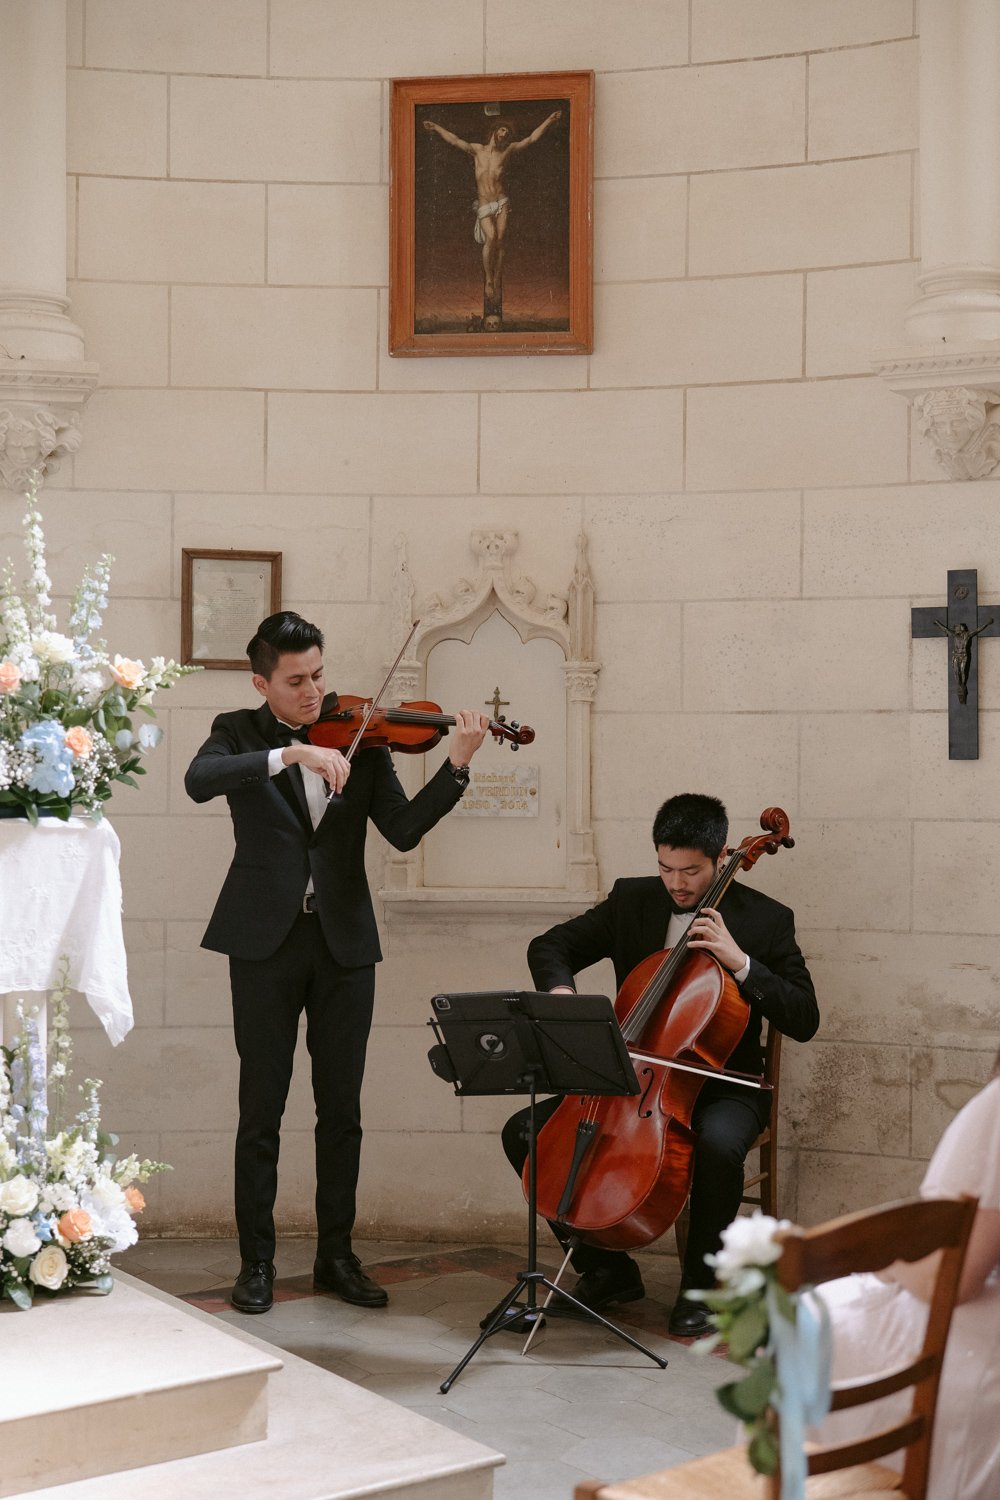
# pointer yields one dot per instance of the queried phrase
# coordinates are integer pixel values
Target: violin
(617, 1170)
(411, 728)
(358, 723)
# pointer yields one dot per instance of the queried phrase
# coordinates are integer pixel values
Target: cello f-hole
(650, 1077)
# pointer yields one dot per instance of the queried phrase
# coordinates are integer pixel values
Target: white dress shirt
(678, 925)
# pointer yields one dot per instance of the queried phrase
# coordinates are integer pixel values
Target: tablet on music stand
(506, 1041)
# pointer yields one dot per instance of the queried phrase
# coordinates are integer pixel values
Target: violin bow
(373, 705)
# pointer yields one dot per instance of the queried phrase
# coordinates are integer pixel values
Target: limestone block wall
(760, 522)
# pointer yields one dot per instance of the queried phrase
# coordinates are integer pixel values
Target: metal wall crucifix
(963, 620)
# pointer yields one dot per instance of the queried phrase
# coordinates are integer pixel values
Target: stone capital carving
(581, 680)
(41, 405)
(955, 395)
(962, 426)
(32, 441)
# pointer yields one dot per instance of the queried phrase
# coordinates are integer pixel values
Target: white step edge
(89, 1382)
(326, 1440)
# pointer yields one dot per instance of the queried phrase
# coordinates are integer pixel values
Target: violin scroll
(516, 734)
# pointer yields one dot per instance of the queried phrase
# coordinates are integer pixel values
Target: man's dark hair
(278, 634)
(692, 821)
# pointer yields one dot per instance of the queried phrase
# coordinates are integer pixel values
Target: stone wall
(760, 524)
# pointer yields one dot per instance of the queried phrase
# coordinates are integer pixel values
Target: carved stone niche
(500, 603)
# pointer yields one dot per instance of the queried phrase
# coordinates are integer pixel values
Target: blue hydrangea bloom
(55, 771)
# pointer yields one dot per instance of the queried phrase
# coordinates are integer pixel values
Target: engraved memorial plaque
(509, 791)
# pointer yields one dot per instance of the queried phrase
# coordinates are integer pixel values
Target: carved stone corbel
(962, 426)
(955, 397)
(41, 405)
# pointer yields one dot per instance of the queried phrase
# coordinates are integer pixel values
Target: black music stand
(521, 1042)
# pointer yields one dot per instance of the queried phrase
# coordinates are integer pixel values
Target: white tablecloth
(61, 893)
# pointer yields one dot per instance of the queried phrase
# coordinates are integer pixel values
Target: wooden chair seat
(728, 1476)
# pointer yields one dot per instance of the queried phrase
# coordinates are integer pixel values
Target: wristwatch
(460, 773)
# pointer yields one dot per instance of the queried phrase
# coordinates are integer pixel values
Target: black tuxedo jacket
(632, 923)
(277, 848)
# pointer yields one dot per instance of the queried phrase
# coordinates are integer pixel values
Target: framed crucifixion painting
(491, 215)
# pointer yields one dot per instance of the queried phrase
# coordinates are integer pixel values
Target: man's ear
(260, 683)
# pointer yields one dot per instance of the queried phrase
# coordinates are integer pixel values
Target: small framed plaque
(224, 596)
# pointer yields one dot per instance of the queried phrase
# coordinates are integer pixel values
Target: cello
(617, 1170)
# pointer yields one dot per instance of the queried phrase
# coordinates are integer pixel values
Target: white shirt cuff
(741, 973)
(274, 761)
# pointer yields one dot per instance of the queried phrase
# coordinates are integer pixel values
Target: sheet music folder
(517, 1041)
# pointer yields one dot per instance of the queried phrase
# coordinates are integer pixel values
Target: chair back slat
(870, 1240)
(860, 1392)
(866, 1450)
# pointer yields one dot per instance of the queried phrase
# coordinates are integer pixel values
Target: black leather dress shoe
(344, 1276)
(600, 1289)
(690, 1320)
(252, 1292)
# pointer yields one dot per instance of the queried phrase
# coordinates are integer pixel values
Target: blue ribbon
(802, 1352)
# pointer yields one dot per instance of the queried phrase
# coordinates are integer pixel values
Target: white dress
(878, 1326)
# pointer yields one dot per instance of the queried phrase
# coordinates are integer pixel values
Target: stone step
(326, 1440)
(92, 1383)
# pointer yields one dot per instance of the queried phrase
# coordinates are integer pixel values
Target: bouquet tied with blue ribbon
(781, 1340)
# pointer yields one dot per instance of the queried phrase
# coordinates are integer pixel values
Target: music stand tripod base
(505, 1043)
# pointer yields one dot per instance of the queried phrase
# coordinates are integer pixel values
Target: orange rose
(10, 677)
(75, 1226)
(128, 674)
(135, 1200)
(79, 741)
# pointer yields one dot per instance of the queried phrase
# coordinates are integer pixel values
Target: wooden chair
(866, 1241)
(765, 1179)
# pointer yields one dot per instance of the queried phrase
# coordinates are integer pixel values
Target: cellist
(751, 935)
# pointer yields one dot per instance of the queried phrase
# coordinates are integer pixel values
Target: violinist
(295, 918)
(753, 937)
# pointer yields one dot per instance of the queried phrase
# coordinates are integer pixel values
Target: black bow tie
(284, 734)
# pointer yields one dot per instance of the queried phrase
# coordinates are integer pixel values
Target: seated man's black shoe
(600, 1289)
(690, 1320)
(252, 1292)
(344, 1276)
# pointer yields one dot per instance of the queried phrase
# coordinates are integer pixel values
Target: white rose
(21, 1239)
(52, 647)
(749, 1242)
(49, 1268)
(18, 1196)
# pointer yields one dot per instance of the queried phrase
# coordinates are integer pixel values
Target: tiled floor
(581, 1403)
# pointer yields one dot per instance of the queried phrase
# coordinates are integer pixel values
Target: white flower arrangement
(66, 706)
(741, 1306)
(66, 1202)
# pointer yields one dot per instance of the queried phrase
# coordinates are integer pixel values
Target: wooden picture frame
(225, 593)
(491, 177)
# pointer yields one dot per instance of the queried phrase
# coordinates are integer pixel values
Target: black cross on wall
(963, 620)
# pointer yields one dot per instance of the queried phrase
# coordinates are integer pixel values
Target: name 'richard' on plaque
(510, 793)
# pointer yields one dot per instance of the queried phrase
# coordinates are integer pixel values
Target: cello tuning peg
(514, 724)
(515, 745)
